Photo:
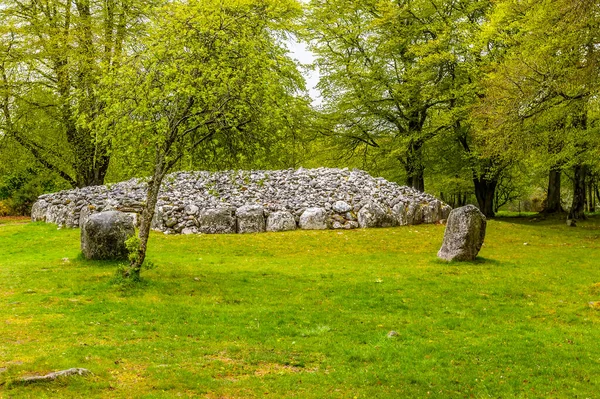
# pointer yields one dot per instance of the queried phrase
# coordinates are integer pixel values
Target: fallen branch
(55, 375)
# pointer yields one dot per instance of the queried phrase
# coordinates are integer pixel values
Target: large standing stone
(375, 215)
(217, 221)
(464, 234)
(281, 221)
(313, 219)
(103, 235)
(250, 219)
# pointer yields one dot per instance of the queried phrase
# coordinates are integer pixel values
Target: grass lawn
(306, 315)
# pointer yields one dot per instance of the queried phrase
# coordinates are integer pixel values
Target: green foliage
(212, 83)
(52, 56)
(394, 74)
(124, 278)
(19, 191)
(542, 88)
(133, 246)
(209, 76)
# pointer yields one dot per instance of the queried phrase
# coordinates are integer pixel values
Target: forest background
(491, 102)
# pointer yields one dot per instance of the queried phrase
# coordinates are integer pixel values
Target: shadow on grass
(82, 260)
(480, 260)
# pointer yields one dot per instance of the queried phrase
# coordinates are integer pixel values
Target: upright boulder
(464, 234)
(103, 235)
(313, 219)
(250, 219)
(281, 221)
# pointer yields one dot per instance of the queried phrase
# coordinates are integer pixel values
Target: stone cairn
(252, 201)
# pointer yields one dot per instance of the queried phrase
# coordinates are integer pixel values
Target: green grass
(511, 214)
(306, 314)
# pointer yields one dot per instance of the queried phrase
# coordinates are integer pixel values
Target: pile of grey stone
(252, 201)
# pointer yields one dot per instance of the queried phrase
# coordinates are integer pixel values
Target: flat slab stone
(217, 221)
(250, 219)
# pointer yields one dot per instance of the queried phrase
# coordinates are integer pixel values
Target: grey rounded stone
(103, 235)
(281, 221)
(313, 219)
(464, 235)
(191, 209)
(341, 207)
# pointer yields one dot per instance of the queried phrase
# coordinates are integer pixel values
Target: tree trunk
(590, 194)
(553, 204)
(414, 166)
(92, 171)
(485, 191)
(154, 184)
(578, 206)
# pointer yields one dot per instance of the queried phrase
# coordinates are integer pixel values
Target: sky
(304, 56)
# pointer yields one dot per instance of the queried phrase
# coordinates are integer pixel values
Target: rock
(217, 221)
(392, 334)
(414, 213)
(446, 209)
(54, 375)
(341, 207)
(313, 219)
(464, 234)
(399, 212)
(432, 212)
(158, 219)
(85, 212)
(191, 209)
(135, 218)
(375, 215)
(38, 211)
(250, 219)
(103, 236)
(281, 221)
(184, 195)
(351, 225)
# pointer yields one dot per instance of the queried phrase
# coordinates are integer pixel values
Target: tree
(209, 72)
(53, 53)
(387, 71)
(541, 91)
